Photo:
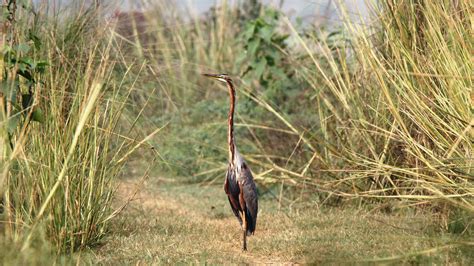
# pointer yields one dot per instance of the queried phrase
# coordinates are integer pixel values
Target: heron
(238, 185)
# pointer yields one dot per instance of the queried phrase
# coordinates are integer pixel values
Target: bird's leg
(244, 232)
(244, 218)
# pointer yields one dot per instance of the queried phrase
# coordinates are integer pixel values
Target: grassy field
(359, 135)
(191, 223)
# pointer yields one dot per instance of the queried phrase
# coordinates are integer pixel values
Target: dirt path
(194, 227)
(188, 223)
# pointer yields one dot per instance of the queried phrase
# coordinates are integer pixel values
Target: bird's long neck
(230, 132)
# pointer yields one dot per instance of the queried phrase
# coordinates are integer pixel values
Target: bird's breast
(233, 181)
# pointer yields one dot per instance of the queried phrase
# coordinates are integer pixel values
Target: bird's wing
(233, 200)
(250, 197)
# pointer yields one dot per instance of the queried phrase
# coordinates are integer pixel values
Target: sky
(309, 10)
(299, 8)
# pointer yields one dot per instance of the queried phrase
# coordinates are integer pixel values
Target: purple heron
(238, 185)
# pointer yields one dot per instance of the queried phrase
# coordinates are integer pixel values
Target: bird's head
(220, 77)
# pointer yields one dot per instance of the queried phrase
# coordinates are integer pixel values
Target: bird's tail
(251, 223)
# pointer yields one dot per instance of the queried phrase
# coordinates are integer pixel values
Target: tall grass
(381, 111)
(178, 45)
(59, 169)
(397, 105)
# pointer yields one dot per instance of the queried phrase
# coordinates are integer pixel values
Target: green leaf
(36, 40)
(37, 115)
(280, 40)
(23, 48)
(7, 49)
(249, 31)
(278, 72)
(266, 34)
(253, 47)
(260, 68)
(22, 67)
(28, 61)
(41, 66)
(13, 122)
(10, 90)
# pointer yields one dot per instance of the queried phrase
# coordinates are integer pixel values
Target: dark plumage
(232, 189)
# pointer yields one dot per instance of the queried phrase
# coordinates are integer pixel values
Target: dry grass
(395, 104)
(57, 174)
(175, 223)
(387, 115)
(391, 123)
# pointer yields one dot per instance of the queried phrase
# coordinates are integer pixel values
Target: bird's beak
(215, 76)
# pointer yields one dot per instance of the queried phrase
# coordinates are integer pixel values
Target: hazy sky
(309, 10)
(300, 8)
(306, 9)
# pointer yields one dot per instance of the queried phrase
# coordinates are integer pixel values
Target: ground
(169, 222)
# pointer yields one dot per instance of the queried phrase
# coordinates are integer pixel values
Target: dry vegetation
(360, 137)
(169, 223)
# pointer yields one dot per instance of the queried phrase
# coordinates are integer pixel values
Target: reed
(396, 104)
(63, 151)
